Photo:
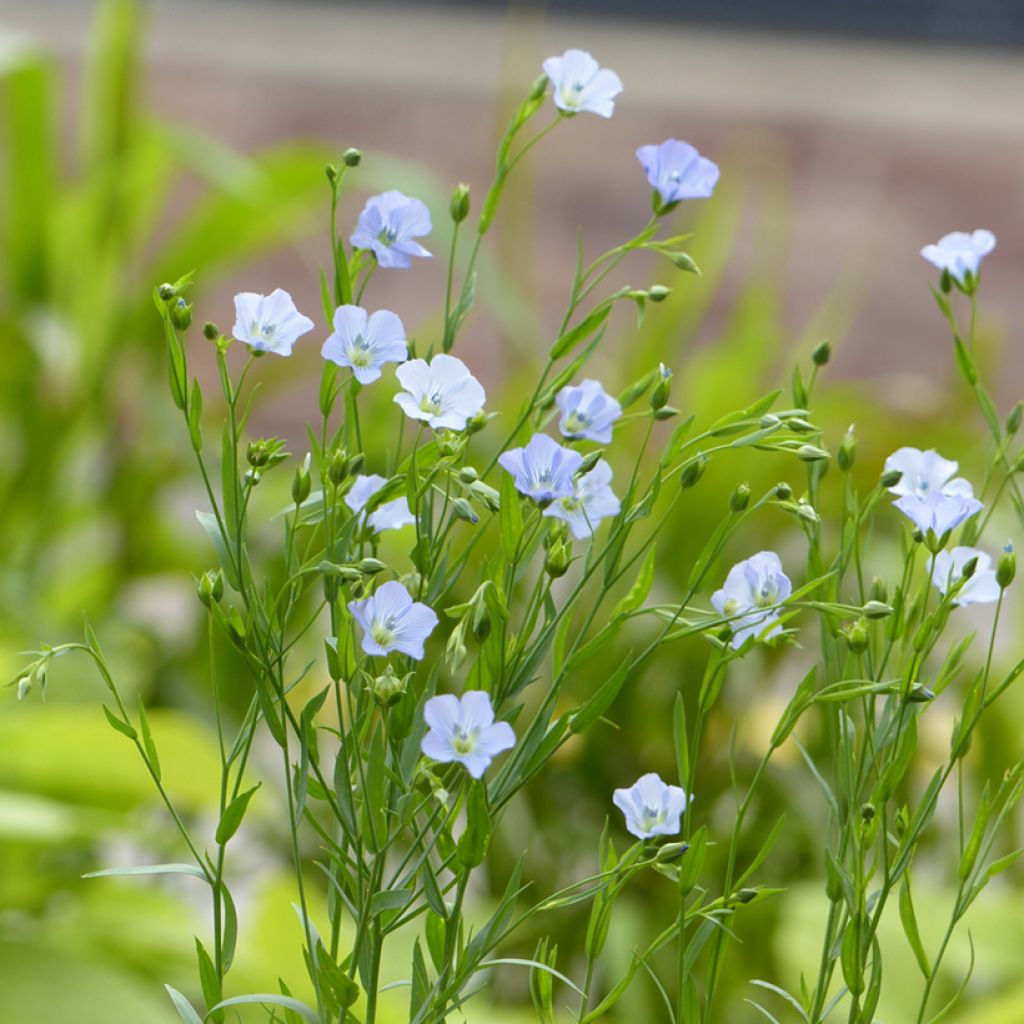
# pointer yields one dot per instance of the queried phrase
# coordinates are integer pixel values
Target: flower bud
(856, 635)
(1013, 420)
(167, 292)
(332, 172)
(352, 157)
(822, 353)
(388, 689)
(692, 471)
(811, 453)
(481, 621)
(684, 261)
(590, 460)
(945, 282)
(890, 478)
(477, 423)
(662, 387)
(558, 558)
(879, 590)
(970, 568)
(337, 467)
(370, 566)
(807, 512)
(459, 205)
(450, 444)
(462, 509)
(355, 464)
(302, 484)
(746, 895)
(920, 694)
(24, 687)
(740, 498)
(658, 292)
(867, 812)
(180, 313)
(468, 475)
(847, 450)
(538, 89)
(211, 587)
(783, 491)
(1007, 567)
(877, 610)
(211, 332)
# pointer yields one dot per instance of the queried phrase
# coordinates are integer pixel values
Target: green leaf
(615, 994)
(307, 1013)
(476, 837)
(510, 518)
(124, 728)
(390, 899)
(233, 815)
(149, 869)
(147, 741)
(640, 589)
(909, 921)
(183, 1006)
(592, 709)
(584, 329)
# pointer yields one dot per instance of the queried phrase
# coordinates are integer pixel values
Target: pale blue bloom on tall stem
(651, 806)
(751, 596)
(392, 621)
(390, 515)
(388, 226)
(588, 411)
(591, 501)
(580, 85)
(980, 588)
(442, 392)
(938, 512)
(543, 470)
(960, 254)
(677, 171)
(269, 323)
(928, 494)
(465, 731)
(365, 342)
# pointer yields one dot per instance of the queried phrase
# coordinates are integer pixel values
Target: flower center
(464, 741)
(572, 93)
(431, 403)
(573, 504)
(265, 332)
(359, 352)
(650, 817)
(576, 422)
(388, 236)
(383, 633)
(766, 595)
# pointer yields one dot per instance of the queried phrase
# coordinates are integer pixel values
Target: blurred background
(142, 140)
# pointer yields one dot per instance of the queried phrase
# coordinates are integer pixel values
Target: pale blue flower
(588, 411)
(938, 512)
(543, 470)
(390, 515)
(365, 342)
(442, 392)
(948, 568)
(580, 85)
(960, 253)
(591, 501)
(392, 621)
(677, 171)
(465, 731)
(269, 323)
(651, 807)
(388, 225)
(924, 473)
(751, 596)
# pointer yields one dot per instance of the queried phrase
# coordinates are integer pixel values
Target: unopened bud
(332, 173)
(462, 509)
(167, 292)
(867, 811)
(355, 464)
(879, 590)
(662, 387)
(658, 292)
(481, 621)
(684, 261)
(337, 467)
(692, 471)
(877, 610)
(486, 495)
(970, 568)
(783, 491)
(301, 484)
(211, 332)
(559, 556)
(822, 353)
(370, 566)
(920, 694)
(477, 423)
(1013, 420)
(468, 475)
(352, 157)
(857, 636)
(811, 453)
(746, 895)
(388, 689)
(538, 89)
(590, 460)
(847, 450)
(740, 498)
(459, 205)
(24, 687)
(1007, 567)
(211, 587)
(180, 313)
(891, 477)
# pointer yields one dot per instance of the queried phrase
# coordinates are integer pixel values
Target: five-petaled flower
(751, 596)
(392, 621)
(388, 226)
(677, 171)
(580, 85)
(980, 588)
(465, 731)
(442, 392)
(588, 411)
(960, 254)
(543, 470)
(389, 515)
(365, 342)
(928, 494)
(269, 323)
(591, 501)
(651, 806)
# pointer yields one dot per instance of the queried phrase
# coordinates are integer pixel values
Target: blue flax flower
(392, 621)
(591, 501)
(269, 323)
(588, 411)
(388, 226)
(389, 515)
(580, 85)
(651, 807)
(543, 470)
(677, 171)
(751, 596)
(465, 731)
(365, 342)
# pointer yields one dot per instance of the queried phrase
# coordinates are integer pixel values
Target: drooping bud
(877, 610)
(783, 491)
(468, 475)
(590, 460)
(167, 292)
(477, 423)
(462, 509)
(684, 261)
(812, 453)
(370, 566)
(459, 205)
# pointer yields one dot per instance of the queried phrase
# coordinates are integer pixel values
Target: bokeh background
(139, 141)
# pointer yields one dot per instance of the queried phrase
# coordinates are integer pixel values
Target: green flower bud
(459, 205)
(337, 466)
(746, 895)
(352, 157)
(1007, 567)
(590, 460)
(769, 419)
(740, 498)
(24, 687)
(370, 566)
(462, 509)
(1013, 420)
(879, 590)
(658, 292)
(812, 453)
(783, 491)
(891, 478)
(847, 450)
(468, 475)
(558, 559)
(877, 610)
(920, 694)
(538, 89)
(945, 282)
(486, 495)
(970, 568)
(856, 635)
(822, 353)
(662, 387)
(477, 423)
(481, 620)
(355, 464)
(167, 292)
(211, 587)
(692, 471)
(867, 812)
(684, 261)
(388, 689)
(302, 484)
(180, 313)
(332, 172)
(211, 332)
